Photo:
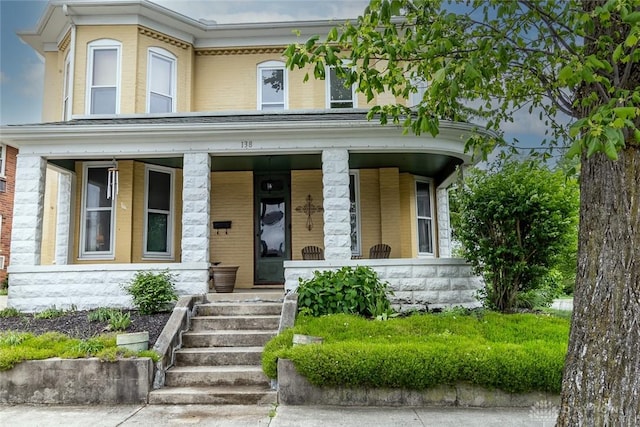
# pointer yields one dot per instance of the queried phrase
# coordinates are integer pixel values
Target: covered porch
(347, 184)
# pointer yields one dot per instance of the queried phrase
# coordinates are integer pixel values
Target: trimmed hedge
(514, 353)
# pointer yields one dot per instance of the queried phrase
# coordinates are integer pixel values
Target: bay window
(161, 81)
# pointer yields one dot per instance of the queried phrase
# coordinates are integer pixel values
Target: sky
(22, 69)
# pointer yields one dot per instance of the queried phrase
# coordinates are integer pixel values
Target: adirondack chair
(312, 252)
(381, 250)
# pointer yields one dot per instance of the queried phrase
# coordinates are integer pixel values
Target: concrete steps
(221, 355)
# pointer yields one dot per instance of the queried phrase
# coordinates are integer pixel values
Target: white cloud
(226, 11)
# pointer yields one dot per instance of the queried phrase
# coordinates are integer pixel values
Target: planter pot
(224, 277)
(135, 341)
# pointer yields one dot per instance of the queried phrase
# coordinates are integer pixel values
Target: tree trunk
(601, 384)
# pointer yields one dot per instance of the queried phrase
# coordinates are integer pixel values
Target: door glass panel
(272, 227)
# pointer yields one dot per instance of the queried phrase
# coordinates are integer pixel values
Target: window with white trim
(161, 81)
(354, 212)
(103, 77)
(158, 218)
(339, 95)
(415, 98)
(424, 211)
(96, 235)
(66, 99)
(272, 86)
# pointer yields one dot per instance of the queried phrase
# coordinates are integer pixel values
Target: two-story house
(173, 143)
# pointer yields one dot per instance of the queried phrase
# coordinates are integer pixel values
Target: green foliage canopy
(485, 59)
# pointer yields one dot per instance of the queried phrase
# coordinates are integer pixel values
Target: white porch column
(444, 222)
(196, 192)
(337, 224)
(28, 209)
(63, 220)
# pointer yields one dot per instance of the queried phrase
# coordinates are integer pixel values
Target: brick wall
(6, 207)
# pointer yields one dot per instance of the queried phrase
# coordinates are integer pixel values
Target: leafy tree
(514, 223)
(487, 58)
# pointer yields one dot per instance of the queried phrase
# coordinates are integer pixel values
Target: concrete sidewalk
(261, 416)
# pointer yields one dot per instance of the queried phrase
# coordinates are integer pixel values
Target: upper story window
(339, 95)
(158, 212)
(97, 212)
(161, 81)
(272, 86)
(66, 99)
(103, 77)
(424, 203)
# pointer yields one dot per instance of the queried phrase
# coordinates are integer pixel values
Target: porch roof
(290, 139)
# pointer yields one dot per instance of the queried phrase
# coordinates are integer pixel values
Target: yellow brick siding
(407, 215)
(232, 200)
(52, 95)
(49, 218)
(224, 82)
(369, 209)
(124, 212)
(390, 210)
(304, 183)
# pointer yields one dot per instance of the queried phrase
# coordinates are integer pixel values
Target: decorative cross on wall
(309, 208)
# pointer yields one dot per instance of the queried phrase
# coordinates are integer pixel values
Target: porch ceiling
(437, 166)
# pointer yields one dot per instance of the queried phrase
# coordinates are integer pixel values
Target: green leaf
(575, 149)
(610, 150)
(632, 18)
(438, 76)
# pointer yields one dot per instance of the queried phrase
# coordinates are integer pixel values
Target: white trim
(102, 44)
(66, 88)
(272, 65)
(328, 101)
(356, 179)
(170, 214)
(83, 254)
(2, 260)
(3, 159)
(0, 231)
(430, 218)
(171, 58)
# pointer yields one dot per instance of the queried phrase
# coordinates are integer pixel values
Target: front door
(272, 245)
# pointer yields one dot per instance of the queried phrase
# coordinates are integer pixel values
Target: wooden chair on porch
(381, 250)
(312, 252)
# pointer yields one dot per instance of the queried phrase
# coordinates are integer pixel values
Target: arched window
(103, 77)
(161, 81)
(272, 86)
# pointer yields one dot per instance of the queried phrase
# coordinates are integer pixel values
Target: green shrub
(514, 353)
(347, 290)
(515, 224)
(152, 292)
(50, 313)
(9, 312)
(102, 314)
(119, 321)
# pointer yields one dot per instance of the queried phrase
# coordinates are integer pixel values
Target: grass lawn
(514, 353)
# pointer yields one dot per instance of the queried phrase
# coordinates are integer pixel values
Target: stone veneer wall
(36, 288)
(417, 284)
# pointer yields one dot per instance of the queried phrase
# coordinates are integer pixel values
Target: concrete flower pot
(224, 277)
(135, 341)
